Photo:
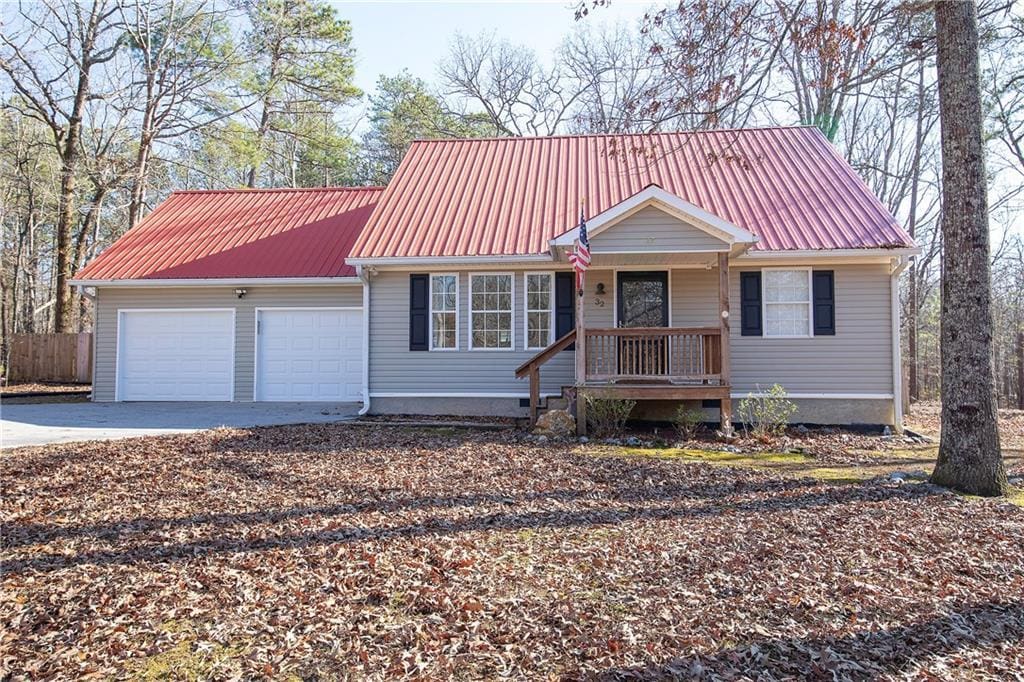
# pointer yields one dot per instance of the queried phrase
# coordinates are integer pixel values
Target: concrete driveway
(45, 423)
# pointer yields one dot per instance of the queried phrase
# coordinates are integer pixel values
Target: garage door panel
(314, 355)
(176, 355)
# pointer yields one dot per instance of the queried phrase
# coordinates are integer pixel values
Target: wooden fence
(50, 357)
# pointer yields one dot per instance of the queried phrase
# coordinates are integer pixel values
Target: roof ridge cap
(282, 190)
(510, 138)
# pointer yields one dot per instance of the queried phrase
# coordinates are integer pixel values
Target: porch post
(723, 321)
(581, 362)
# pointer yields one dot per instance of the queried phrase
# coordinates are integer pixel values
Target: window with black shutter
(823, 284)
(419, 311)
(750, 303)
(565, 304)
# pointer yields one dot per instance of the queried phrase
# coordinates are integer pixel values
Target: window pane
(787, 319)
(444, 330)
(491, 311)
(781, 286)
(538, 329)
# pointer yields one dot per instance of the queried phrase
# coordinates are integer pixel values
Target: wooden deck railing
(691, 355)
(656, 355)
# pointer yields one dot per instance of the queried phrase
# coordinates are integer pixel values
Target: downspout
(365, 277)
(900, 264)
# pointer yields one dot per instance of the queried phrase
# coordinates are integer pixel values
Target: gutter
(215, 282)
(899, 265)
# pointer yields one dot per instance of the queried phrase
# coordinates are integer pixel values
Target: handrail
(653, 331)
(542, 357)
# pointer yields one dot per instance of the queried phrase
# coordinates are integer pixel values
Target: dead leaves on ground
(336, 551)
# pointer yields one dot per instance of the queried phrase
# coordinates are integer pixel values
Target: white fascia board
(673, 204)
(823, 255)
(225, 282)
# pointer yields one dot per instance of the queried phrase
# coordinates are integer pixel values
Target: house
(722, 262)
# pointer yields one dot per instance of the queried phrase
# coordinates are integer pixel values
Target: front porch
(644, 357)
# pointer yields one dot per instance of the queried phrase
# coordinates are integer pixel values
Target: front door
(642, 302)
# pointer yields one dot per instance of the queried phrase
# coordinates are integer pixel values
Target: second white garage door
(309, 354)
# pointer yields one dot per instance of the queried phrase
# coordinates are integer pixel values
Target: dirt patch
(43, 388)
(341, 551)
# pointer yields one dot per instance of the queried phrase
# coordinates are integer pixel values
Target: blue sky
(391, 36)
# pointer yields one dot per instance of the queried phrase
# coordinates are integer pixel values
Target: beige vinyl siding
(653, 230)
(394, 369)
(110, 300)
(857, 360)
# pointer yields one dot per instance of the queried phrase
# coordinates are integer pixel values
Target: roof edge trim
(217, 282)
(451, 260)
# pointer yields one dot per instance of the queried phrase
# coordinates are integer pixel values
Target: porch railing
(678, 355)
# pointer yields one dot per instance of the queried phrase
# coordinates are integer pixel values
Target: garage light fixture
(240, 293)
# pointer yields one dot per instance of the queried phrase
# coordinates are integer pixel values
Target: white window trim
(512, 300)
(809, 303)
(527, 310)
(430, 311)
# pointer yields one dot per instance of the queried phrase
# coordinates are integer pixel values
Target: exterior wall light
(240, 293)
(600, 288)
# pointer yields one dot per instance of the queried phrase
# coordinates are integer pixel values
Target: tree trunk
(1020, 370)
(65, 218)
(969, 458)
(913, 323)
(139, 181)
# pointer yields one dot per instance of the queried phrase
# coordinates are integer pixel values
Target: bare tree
(969, 457)
(50, 62)
(182, 50)
(516, 92)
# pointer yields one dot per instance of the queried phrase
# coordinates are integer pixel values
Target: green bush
(767, 413)
(607, 416)
(687, 421)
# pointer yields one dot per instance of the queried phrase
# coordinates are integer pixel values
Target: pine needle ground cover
(352, 552)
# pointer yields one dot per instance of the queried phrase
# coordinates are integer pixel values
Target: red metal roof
(510, 196)
(241, 233)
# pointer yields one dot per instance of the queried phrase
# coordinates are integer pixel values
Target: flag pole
(581, 350)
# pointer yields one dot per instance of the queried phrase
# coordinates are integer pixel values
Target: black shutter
(824, 286)
(750, 303)
(419, 309)
(565, 303)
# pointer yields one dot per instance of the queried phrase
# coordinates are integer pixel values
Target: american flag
(580, 257)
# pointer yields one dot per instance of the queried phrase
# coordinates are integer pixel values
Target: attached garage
(309, 354)
(175, 354)
(234, 295)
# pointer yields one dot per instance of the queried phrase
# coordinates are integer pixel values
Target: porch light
(240, 293)
(725, 314)
(600, 288)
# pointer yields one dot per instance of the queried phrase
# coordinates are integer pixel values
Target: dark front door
(642, 302)
(643, 299)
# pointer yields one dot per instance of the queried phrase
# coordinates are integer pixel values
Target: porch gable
(652, 229)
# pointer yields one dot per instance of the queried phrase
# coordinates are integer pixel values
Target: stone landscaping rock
(556, 424)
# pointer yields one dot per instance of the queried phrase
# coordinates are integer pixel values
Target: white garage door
(309, 354)
(176, 355)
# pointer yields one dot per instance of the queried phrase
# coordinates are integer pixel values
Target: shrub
(687, 421)
(607, 416)
(767, 413)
